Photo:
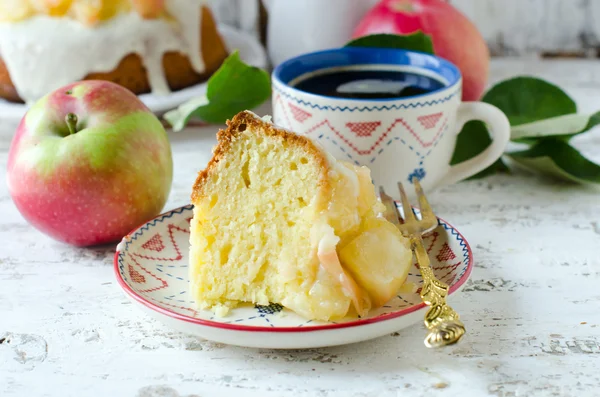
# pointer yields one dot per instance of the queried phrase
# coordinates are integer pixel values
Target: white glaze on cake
(44, 53)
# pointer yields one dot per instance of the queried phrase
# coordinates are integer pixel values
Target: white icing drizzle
(44, 53)
(189, 24)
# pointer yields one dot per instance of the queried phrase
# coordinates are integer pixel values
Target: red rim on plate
(252, 328)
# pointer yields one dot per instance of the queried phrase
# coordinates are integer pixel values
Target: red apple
(88, 163)
(454, 36)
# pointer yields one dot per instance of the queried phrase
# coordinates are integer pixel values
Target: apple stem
(71, 120)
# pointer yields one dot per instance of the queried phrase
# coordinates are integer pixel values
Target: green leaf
(417, 41)
(561, 126)
(528, 99)
(234, 87)
(178, 118)
(527, 102)
(472, 140)
(555, 157)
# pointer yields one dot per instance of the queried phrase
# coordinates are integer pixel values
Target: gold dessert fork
(443, 323)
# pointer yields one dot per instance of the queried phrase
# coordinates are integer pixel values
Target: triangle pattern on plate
(154, 244)
(445, 253)
(136, 276)
(171, 251)
(145, 280)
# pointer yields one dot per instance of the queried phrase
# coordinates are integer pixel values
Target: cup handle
(499, 128)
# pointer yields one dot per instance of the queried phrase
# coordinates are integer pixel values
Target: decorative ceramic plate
(151, 265)
(251, 52)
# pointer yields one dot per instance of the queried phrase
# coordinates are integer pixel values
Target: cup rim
(455, 74)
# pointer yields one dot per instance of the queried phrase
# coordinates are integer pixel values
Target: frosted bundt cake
(278, 220)
(144, 45)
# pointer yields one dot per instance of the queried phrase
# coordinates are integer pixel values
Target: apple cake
(144, 45)
(278, 220)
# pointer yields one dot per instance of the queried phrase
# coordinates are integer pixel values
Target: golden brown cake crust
(239, 123)
(7, 89)
(131, 74)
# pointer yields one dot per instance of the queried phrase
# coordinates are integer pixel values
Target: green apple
(88, 163)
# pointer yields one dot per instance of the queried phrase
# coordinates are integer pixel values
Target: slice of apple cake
(278, 220)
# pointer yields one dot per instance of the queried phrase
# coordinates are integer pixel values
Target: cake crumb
(221, 310)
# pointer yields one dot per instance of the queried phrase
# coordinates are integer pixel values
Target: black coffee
(369, 84)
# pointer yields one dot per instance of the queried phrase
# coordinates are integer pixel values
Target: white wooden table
(532, 306)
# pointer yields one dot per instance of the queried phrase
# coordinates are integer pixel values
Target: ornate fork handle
(443, 323)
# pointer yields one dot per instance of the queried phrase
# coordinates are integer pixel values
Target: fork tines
(409, 223)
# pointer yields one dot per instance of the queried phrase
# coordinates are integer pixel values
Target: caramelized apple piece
(55, 8)
(149, 9)
(379, 259)
(331, 263)
(15, 10)
(92, 12)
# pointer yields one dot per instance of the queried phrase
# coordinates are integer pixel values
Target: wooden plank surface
(532, 307)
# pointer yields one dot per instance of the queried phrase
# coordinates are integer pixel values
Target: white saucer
(151, 265)
(251, 52)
